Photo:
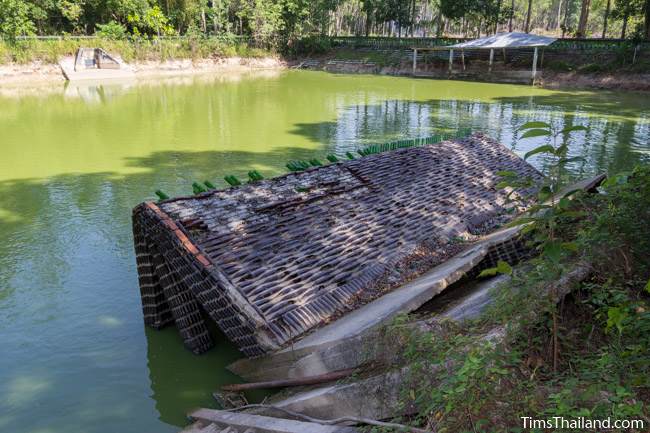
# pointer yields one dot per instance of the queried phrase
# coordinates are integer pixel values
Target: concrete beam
(264, 424)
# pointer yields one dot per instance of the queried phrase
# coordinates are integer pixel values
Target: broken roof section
(272, 260)
(506, 40)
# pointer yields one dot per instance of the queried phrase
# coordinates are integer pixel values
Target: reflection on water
(76, 159)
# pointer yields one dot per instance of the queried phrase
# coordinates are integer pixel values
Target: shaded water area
(75, 160)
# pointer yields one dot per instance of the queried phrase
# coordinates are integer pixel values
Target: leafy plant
(332, 158)
(544, 216)
(254, 176)
(232, 180)
(111, 30)
(161, 195)
(197, 188)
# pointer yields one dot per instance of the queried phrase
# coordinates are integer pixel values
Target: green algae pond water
(75, 356)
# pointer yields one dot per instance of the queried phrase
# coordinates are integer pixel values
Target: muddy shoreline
(42, 73)
(38, 73)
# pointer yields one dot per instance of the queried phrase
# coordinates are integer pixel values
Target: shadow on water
(69, 301)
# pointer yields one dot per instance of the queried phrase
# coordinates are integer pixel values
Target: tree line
(283, 21)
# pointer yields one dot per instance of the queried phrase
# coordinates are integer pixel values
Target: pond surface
(75, 354)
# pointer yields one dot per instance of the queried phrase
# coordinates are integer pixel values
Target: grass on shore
(51, 51)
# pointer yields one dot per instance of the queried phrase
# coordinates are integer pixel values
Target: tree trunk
(607, 8)
(647, 19)
(413, 18)
(624, 28)
(496, 21)
(559, 16)
(512, 15)
(567, 6)
(530, 6)
(584, 18)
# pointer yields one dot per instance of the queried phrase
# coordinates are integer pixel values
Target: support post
(451, 59)
(462, 57)
(415, 59)
(534, 64)
(491, 59)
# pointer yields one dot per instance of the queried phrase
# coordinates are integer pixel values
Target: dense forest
(281, 21)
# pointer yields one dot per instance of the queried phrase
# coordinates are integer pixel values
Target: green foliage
(232, 180)
(460, 381)
(551, 209)
(332, 158)
(197, 188)
(111, 30)
(501, 268)
(298, 165)
(15, 20)
(152, 22)
(254, 176)
(161, 195)
(138, 49)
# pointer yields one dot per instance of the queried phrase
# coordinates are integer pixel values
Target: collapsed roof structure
(271, 261)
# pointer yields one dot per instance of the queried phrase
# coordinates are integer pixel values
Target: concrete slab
(263, 424)
(67, 67)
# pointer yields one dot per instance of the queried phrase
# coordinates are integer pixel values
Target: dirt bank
(574, 80)
(621, 80)
(39, 72)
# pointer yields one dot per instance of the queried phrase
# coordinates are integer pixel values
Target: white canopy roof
(507, 40)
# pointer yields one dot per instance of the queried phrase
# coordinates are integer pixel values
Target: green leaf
(553, 250)
(527, 229)
(535, 133)
(615, 318)
(570, 246)
(161, 195)
(507, 173)
(547, 148)
(504, 268)
(544, 193)
(534, 124)
(647, 287)
(488, 272)
(573, 128)
(572, 159)
(564, 203)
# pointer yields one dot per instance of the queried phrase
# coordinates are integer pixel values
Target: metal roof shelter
(271, 260)
(503, 41)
